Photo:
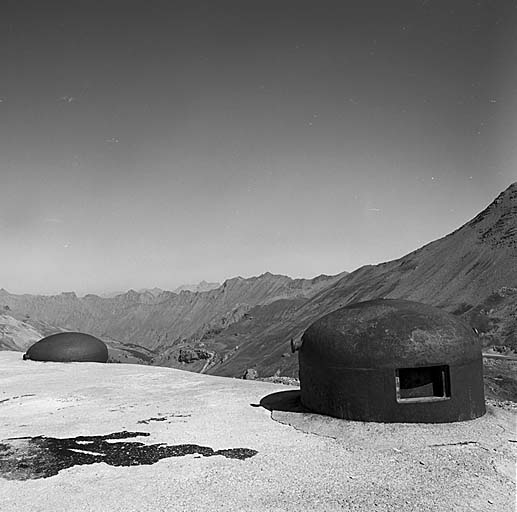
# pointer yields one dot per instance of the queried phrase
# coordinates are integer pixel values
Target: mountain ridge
(456, 272)
(150, 320)
(250, 322)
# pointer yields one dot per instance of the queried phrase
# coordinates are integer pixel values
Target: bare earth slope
(495, 318)
(16, 335)
(95, 437)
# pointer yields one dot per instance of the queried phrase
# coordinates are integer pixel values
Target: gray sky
(156, 143)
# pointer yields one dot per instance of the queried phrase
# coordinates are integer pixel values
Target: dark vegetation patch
(25, 458)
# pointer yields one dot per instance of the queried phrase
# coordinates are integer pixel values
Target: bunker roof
(385, 333)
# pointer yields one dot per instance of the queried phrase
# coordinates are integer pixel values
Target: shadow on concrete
(287, 401)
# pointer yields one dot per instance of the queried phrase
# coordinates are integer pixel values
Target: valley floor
(138, 438)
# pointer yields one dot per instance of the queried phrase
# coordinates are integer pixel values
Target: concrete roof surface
(303, 461)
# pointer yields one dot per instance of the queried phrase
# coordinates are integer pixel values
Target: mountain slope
(16, 335)
(457, 273)
(495, 318)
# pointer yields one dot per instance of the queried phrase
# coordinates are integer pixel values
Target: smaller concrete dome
(68, 347)
(392, 360)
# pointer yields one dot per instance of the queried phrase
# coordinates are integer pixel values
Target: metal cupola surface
(392, 360)
(68, 347)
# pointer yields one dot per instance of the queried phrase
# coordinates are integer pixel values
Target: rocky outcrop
(189, 354)
(250, 374)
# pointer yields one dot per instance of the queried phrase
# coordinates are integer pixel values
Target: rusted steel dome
(392, 361)
(67, 347)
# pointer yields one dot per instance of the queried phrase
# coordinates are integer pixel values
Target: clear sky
(154, 143)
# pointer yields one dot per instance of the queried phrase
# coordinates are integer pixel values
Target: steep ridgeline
(463, 273)
(151, 321)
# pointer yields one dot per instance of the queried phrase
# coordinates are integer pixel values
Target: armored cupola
(392, 361)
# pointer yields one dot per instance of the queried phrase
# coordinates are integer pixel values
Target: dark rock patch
(250, 374)
(189, 355)
(27, 458)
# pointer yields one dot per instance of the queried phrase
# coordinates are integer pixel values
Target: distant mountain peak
(202, 286)
(153, 291)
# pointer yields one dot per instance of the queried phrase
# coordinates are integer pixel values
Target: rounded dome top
(68, 347)
(385, 333)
